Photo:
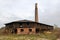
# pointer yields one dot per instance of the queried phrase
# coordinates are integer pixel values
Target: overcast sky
(11, 10)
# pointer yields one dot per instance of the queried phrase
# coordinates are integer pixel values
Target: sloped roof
(27, 21)
(24, 21)
(20, 21)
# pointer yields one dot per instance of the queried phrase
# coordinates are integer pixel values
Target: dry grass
(27, 37)
(57, 32)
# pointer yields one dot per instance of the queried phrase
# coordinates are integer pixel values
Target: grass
(28, 37)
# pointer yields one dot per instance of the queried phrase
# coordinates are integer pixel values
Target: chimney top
(36, 13)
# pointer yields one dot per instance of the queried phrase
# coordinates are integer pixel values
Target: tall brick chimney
(36, 13)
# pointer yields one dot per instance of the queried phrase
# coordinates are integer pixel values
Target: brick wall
(26, 31)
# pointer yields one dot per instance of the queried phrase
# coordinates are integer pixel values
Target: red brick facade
(26, 31)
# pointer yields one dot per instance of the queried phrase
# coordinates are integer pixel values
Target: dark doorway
(22, 30)
(30, 30)
(15, 31)
(37, 30)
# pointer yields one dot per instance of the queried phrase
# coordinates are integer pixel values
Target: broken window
(22, 30)
(30, 30)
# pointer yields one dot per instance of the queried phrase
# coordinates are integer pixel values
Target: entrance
(15, 31)
(37, 30)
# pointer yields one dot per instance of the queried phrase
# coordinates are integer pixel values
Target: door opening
(15, 31)
(37, 30)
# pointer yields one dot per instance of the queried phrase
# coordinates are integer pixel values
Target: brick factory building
(28, 26)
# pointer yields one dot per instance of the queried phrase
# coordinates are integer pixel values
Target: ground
(27, 37)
